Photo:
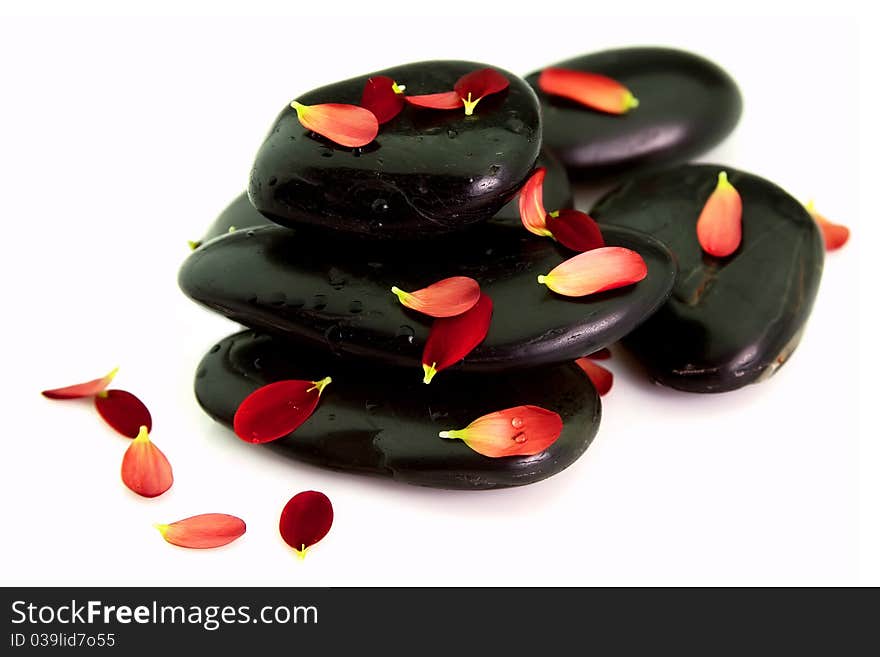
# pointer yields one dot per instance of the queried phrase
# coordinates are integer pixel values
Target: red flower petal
(383, 98)
(446, 298)
(447, 100)
(590, 89)
(835, 235)
(518, 431)
(597, 270)
(531, 204)
(305, 520)
(277, 409)
(87, 389)
(719, 228)
(476, 85)
(453, 338)
(602, 354)
(598, 375)
(347, 125)
(208, 530)
(145, 470)
(575, 229)
(123, 411)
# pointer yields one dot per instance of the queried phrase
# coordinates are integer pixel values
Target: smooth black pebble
(730, 321)
(386, 422)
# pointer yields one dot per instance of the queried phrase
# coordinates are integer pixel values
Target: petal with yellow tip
(531, 204)
(453, 338)
(593, 90)
(383, 97)
(305, 520)
(207, 530)
(346, 125)
(719, 227)
(277, 409)
(597, 270)
(145, 469)
(835, 235)
(123, 411)
(445, 298)
(78, 390)
(517, 431)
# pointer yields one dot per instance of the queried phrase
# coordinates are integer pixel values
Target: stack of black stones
(307, 258)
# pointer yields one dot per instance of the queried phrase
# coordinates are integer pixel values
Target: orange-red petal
(446, 100)
(277, 409)
(596, 270)
(87, 389)
(145, 469)
(305, 520)
(208, 530)
(476, 85)
(591, 89)
(531, 204)
(446, 298)
(835, 235)
(518, 431)
(598, 375)
(453, 338)
(383, 98)
(719, 227)
(575, 230)
(347, 125)
(123, 411)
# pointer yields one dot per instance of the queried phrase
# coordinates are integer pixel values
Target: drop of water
(516, 422)
(215, 348)
(406, 333)
(201, 373)
(258, 365)
(470, 180)
(272, 181)
(452, 134)
(379, 205)
(520, 438)
(372, 405)
(331, 417)
(336, 278)
(250, 233)
(320, 302)
(494, 169)
(355, 307)
(327, 153)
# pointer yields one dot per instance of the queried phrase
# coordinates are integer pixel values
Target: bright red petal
(602, 354)
(518, 431)
(835, 235)
(87, 389)
(446, 298)
(476, 85)
(145, 470)
(719, 228)
(531, 204)
(277, 409)
(305, 520)
(382, 99)
(597, 270)
(453, 338)
(598, 375)
(347, 125)
(590, 89)
(575, 230)
(208, 530)
(447, 100)
(123, 411)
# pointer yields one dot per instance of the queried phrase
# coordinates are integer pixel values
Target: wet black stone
(336, 294)
(386, 421)
(241, 215)
(427, 172)
(687, 104)
(730, 321)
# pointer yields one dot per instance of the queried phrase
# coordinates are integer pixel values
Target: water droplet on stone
(516, 422)
(201, 373)
(327, 153)
(452, 134)
(336, 278)
(372, 405)
(272, 181)
(215, 348)
(250, 233)
(406, 332)
(258, 365)
(320, 302)
(331, 417)
(379, 205)
(494, 169)
(355, 307)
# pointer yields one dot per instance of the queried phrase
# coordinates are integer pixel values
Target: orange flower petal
(347, 125)
(87, 389)
(446, 100)
(835, 235)
(518, 431)
(531, 204)
(575, 230)
(453, 338)
(145, 470)
(208, 530)
(719, 228)
(597, 270)
(277, 409)
(601, 378)
(446, 298)
(591, 89)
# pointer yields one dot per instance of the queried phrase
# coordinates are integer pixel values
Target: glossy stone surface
(241, 215)
(730, 321)
(386, 421)
(687, 104)
(427, 172)
(336, 294)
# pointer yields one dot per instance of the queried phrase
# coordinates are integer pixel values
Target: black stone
(687, 104)
(730, 321)
(240, 214)
(386, 421)
(427, 172)
(336, 294)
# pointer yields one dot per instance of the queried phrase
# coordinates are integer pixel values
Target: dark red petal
(719, 227)
(305, 520)
(145, 469)
(446, 298)
(531, 204)
(123, 411)
(518, 431)
(381, 98)
(453, 338)
(479, 84)
(835, 235)
(87, 389)
(591, 89)
(208, 530)
(575, 229)
(596, 270)
(602, 354)
(347, 125)
(600, 377)
(277, 409)
(447, 100)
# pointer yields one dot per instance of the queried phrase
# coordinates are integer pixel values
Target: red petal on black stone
(446, 100)
(453, 338)
(575, 229)
(601, 378)
(381, 99)
(479, 84)
(276, 409)
(123, 411)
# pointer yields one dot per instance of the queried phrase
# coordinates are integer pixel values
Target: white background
(120, 139)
